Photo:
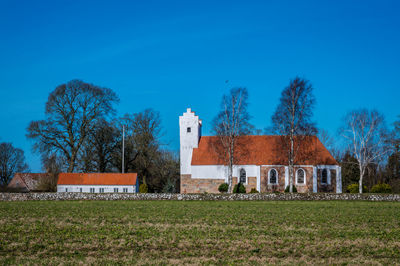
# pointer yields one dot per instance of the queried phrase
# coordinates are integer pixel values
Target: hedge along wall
(223, 197)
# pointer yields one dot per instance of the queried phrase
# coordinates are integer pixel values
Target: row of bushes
(223, 188)
(378, 188)
(239, 188)
(353, 188)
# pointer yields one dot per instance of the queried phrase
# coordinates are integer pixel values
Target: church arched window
(273, 176)
(301, 176)
(242, 176)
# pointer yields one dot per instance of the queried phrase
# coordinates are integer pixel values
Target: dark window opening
(242, 176)
(300, 176)
(324, 178)
(272, 177)
(188, 130)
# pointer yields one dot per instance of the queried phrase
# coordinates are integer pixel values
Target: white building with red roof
(98, 182)
(261, 163)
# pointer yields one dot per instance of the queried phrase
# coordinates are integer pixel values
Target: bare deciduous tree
(366, 136)
(292, 120)
(230, 123)
(326, 138)
(168, 172)
(329, 143)
(71, 112)
(99, 148)
(142, 143)
(395, 136)
(12, 160)
(52, 165)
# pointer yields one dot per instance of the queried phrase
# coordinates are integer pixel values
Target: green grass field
(174, 232)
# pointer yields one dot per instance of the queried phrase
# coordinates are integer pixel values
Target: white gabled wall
(209, 171)
(188, 140)
(221, 172)
(86, 188)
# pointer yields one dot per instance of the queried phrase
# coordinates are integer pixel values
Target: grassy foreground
(172, 232)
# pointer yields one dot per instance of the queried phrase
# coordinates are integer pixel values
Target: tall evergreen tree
(350, 169)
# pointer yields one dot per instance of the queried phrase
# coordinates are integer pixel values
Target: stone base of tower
(199, 185)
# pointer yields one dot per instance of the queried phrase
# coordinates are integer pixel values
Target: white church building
(261, 165)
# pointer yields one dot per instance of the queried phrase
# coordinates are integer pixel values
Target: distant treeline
(82, 133)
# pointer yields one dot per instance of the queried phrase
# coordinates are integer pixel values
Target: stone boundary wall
(210, 197)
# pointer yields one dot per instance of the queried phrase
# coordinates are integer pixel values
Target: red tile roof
(97, 179)
(261, 150)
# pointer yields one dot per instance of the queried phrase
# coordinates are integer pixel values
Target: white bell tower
(190, 133)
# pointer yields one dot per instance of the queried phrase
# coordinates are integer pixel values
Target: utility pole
(123, 148)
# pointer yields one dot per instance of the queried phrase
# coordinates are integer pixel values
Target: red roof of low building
(262, 150)
(97, 179)
(27, 181)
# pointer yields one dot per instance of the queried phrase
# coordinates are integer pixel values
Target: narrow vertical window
(80, 190)
(66, 189)
(324, 178)
(242, 176)
(188, 130)
(115, 190)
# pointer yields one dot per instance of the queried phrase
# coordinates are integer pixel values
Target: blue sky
(170, 55)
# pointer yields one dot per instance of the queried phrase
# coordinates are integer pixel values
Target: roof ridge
(97, 179)
(23, 180)
(260, 150)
